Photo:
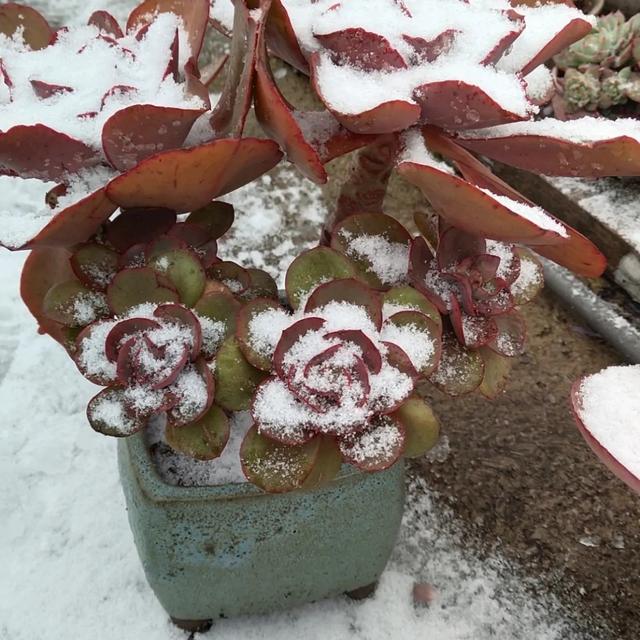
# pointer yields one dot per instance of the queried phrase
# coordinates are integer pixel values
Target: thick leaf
(183, 411)
(185, 273)
(133, 287)
(349, 291)
(496, 373)
(94, 265)
(378, 447)
(45, 90)
(43, 269)
(236, 379)
(539, 151)
(106, 23)
(139, 226)
(216, 218)
(277, 467)
(370, 354)
(36, 31)
(511, 336)
(288, 339)
(262, 285)
(236, 278)
(194, 15)
(71, 304)
(107, 414)
(75, 223)
(465, 206)
(326, 466)
(530, 280)
(408, 298)
(221, 308)
(204, 439)
(369, 225)
(460, 370)
(123, 331)
(614, 465)
(37, 151)
(187, 179)
(387, 117)
(421, 427)
(141, 130)
(457, 105)
(245, 338)
(275, 116)
(312, 268)
(106, 376)
(179, 314)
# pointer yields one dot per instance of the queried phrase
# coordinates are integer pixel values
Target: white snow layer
(70, 569)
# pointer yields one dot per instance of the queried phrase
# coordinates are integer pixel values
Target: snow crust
(611, 412)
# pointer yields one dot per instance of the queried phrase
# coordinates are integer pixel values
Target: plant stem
(366, 184)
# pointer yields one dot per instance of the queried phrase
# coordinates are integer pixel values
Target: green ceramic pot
(233, 550)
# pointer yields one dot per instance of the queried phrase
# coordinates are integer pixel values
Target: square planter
(232, 549)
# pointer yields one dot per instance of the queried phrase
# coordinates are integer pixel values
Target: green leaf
(184, 271)
(70, 303)
(204, 439)
(411, 298)
(262, 285)
(327, 464)
(95, 265)
(460, 370)
(236, 380)
(496, 372)
(277, 467)
(421, 426)
(216, 218)
(132, 287)
(246, 340)
(313, 268)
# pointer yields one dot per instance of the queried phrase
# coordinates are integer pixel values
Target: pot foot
(197, 626)
(362, 593)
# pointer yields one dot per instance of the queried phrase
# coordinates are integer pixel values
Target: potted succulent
(330, 372)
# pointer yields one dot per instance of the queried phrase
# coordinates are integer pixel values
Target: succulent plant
(139, 296)
(597, 72)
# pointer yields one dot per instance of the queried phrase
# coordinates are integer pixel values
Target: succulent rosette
(342, 365)
(118, 135)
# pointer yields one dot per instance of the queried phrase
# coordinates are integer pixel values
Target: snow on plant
(101, 114)
(606, 406)
(342, 365)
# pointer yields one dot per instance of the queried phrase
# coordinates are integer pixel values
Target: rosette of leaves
(120, 133)
(341, 365)
(598, 73)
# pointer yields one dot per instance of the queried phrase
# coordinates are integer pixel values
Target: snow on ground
(69, 566)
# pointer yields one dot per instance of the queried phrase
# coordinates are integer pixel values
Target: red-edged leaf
(94, 265)
(613, 464)
(421, 426)
(455, 245)
(36, 31)
(277, 467)
(141, 130)
(104, 21)
(123, 332)
(363, 49)
(431, 50)
(217, 307)
(496, 373)
(249, 311)
(133, 287)
(377, 448)
(457, 105)
(370, 354)
(398, 359)
(108, 414)
(103, 378)
(467, 207)
(530, 280)
(387, 117)
(194, 14)
(289, 338)
(511, 335)
(187, 179)
(460, 371)
(36, 151)
(349, 291)
(275, 115)
(186, 410)
(472, 331)
(216, 218)
(74, 224)
(409, 298)
(43, 269)
(45, 90)
(543, 153)
(139, 226)
(236, 278)
(183, 272)
(507, 41)
(204, 439)
(184, 316)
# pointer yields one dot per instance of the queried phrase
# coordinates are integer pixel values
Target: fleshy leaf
(204, 439)
(141, 130)
(184, 271)
(530, 280)
(236, 278)
(496, 373)
(139, 226)
(36, 31)
(372, 227)
(277, 467)
(107, 414)
(411, 298)
(421, 426)
(236, 379)
(312, 268)
(194, 15)
(133, 287)
(183, 411)
(511, 336)
(187, 179)
(350, 291)
(262, 285)
(378, 447)
(460, 370)
(219, 308)
(94, 265)
(106, 23)
(37, 151)
(327, 464)
(70, 303)
(216, 218)
(245, 338)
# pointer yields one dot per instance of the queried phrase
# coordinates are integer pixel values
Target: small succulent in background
(600, 72)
